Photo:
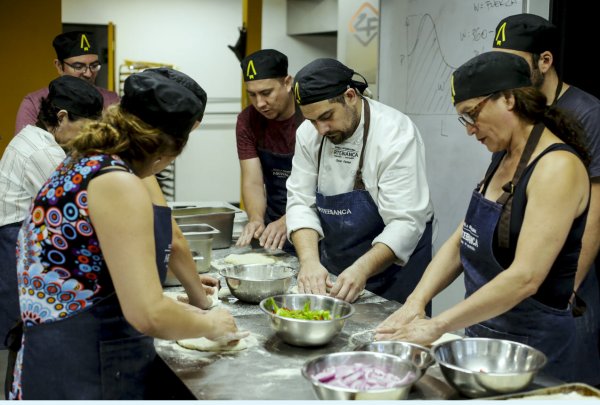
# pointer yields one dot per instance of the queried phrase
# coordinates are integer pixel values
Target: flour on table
(558, 396)
(207, 345)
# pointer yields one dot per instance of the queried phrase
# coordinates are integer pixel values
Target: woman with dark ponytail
(520, 241)
(94, 250)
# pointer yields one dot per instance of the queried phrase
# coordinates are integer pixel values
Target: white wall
(193, 35)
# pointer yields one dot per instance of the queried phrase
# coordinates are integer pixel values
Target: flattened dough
(446, 337)
(249, 258)
(207, 345)
(294, 290)
(181, 296)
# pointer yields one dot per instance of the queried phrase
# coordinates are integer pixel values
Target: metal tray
(220, 215)
(579, 388)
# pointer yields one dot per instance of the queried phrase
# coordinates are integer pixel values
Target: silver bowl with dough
(479, 367)
(302, 332)
(254, 282)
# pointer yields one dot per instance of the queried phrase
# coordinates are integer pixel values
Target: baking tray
(579, 388)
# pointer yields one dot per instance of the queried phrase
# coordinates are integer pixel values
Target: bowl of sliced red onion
(360, 375)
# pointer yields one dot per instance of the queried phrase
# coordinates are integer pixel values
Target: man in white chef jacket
(358, 200)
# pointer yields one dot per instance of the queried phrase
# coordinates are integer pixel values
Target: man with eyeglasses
(76, 55)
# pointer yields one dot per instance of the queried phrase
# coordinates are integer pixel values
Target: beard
(337, 137)
(537, 77)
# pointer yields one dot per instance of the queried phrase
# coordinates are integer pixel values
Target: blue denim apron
(10, 313)
(351, 222)
(587, 346)
(95, 354)
(276, 168)
(548, 329)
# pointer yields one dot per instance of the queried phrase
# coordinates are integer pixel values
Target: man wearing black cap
(266, 136)
(537, 40)
(76, 55)
(358, 199)
(30, 158)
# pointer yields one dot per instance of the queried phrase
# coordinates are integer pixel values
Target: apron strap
(509, 188)
(557, 92)
(358, 180)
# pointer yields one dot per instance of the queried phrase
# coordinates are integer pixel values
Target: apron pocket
(482, 331)
(125, 367)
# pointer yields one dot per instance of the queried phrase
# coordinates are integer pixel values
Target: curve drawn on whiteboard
(428, 90)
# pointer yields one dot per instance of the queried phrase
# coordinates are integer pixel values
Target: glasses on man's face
(82, 67)
(470, 117)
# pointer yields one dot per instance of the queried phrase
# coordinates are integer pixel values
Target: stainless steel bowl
(254, 282)
(479, 367)
(419, 355)
(300, 332)
(403, 369)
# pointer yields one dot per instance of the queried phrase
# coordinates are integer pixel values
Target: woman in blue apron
(347, 237)
(521, 237)
(91, 297)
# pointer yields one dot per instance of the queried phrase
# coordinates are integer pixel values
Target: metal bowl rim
(435, 348)
(414, 369)
(431, 361)
(272, 315)
(288, 269)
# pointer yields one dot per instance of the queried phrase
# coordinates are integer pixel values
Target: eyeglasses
(82, 67)
(470, 117)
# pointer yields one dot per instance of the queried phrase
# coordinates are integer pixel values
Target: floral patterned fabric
(60, 267)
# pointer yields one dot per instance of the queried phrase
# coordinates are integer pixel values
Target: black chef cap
(323, 79)
(264, 64)
(186, 82)
(74, 43)
(488, 73)
(527, 33)
(161, 102)
(75, 95)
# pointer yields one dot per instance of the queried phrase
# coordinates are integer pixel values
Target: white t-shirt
(28, 161)
(394, 174)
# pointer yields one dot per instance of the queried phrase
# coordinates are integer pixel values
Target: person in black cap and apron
(91, 256)
(77, 56)
(266, 136)
(29, 159)
(358, 200)
(537, 40)
(520, 240)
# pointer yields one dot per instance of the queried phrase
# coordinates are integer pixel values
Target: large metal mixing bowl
(300, 332)
(479, 367)
(405, 370)
(254, 282)
(419, 355)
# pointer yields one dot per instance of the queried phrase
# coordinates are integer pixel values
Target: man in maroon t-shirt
(266, 136)
(76, 55)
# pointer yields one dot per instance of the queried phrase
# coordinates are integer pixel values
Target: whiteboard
(421, 43)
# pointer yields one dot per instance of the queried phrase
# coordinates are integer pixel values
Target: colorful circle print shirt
(60, 268)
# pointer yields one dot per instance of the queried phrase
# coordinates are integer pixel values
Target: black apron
(10, 313)
(276, 168)
(351, 222)
(548, 329)
(95, 354)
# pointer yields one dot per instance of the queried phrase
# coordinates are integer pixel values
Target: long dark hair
(530, 105)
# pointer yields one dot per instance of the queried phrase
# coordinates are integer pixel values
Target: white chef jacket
(27, 162)
(394, 174)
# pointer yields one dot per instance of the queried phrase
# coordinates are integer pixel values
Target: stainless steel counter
(270, 369)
